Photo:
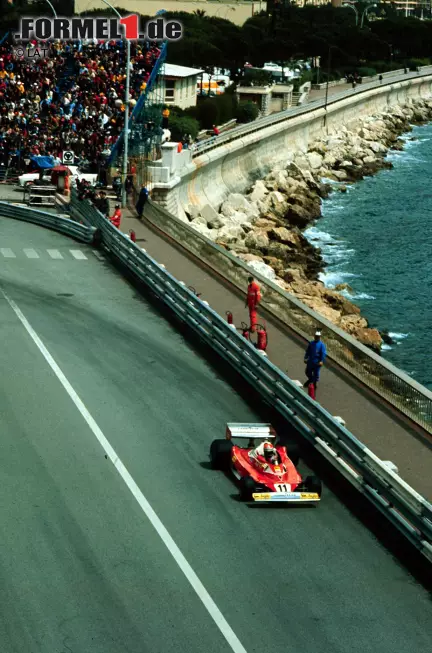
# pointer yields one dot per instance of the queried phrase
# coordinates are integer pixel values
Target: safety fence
(400, 503)
(82, 232)
(282, 116)
(405, 394)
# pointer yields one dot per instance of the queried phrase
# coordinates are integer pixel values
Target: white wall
(185, 92)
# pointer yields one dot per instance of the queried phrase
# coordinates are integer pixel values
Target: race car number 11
(282, 487)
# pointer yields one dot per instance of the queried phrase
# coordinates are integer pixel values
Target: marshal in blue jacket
(315, 353)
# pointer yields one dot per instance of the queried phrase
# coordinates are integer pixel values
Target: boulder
(398, 145)
(329, 160)
(319, 147)
(192, 211)
(281, 182)
(324, 190)
(257, 239)
(283, 235)
(279, 251)
(355, 173)
(292, 275)
(377, 148)
(340, 174)
(209, 213)
(263, 269)
(274, 263)
(302, 161)
(215, 222)
(343, 286)
(259, 191)
(312, 184)
(315, 160)
(234, 202)
(200, 227)
(230, 233)
(305, 288)
(267, 223)
(370, 337)
(199, 220)
(247, 258)
(340, 303)
(298, 216)
(277, 203)
(238, 217)
(294, 171)
(323, 309)
(352, 323)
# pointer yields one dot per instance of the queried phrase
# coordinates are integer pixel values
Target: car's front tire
(220, 454)
(247, 488)
(313, 484)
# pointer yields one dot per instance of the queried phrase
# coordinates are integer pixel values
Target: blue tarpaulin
(43, 161)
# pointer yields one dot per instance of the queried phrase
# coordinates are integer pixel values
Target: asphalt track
(82, 569)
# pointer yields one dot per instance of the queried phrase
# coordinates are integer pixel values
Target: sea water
(377, 237)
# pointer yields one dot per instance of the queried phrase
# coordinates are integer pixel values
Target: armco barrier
(404, 507)
(408, 396)
(81, 232)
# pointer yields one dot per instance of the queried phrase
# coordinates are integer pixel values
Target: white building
(180, 85)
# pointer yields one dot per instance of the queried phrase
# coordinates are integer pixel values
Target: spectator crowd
(71, 99)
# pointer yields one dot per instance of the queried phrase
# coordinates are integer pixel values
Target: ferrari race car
(261, 479)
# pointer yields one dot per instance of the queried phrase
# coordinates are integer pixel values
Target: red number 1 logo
(131, 26)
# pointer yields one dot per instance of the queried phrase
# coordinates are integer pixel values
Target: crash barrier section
(400, 503)
(282, 116)
(82, 232)
(409, 397)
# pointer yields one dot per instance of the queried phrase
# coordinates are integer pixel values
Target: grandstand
(145, 126)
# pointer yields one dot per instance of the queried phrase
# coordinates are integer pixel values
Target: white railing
(282, 116)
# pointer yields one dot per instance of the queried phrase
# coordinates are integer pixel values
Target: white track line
(7, 253)
(31, 253)
(211, 607)
(54, 253)
(78, 254)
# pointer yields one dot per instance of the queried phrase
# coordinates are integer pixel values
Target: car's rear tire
(313, 484)
(247, 488)
(293, 452)
(220, 454)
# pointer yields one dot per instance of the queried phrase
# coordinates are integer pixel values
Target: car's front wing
(289, 497)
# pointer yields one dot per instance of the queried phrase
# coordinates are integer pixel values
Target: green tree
(247, 111)
(181, 126)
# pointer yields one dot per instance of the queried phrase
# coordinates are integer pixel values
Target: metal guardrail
(396, 387)
(282, 116)
(400, 503)
(65, 226)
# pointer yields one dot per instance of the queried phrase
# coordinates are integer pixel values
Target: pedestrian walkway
(383, 429)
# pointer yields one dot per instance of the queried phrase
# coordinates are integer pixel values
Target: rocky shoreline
(264, 227)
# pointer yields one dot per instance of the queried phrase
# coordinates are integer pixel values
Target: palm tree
(200, 13)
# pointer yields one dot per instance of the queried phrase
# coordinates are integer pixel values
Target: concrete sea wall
(233, 167)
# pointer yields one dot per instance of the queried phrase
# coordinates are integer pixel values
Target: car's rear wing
(250, 431)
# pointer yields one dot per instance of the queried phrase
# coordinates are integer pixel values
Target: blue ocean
(377, 237)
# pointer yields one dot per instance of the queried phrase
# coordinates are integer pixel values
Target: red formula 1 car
(264, 469)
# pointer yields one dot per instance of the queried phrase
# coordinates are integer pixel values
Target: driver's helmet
(270, 453)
